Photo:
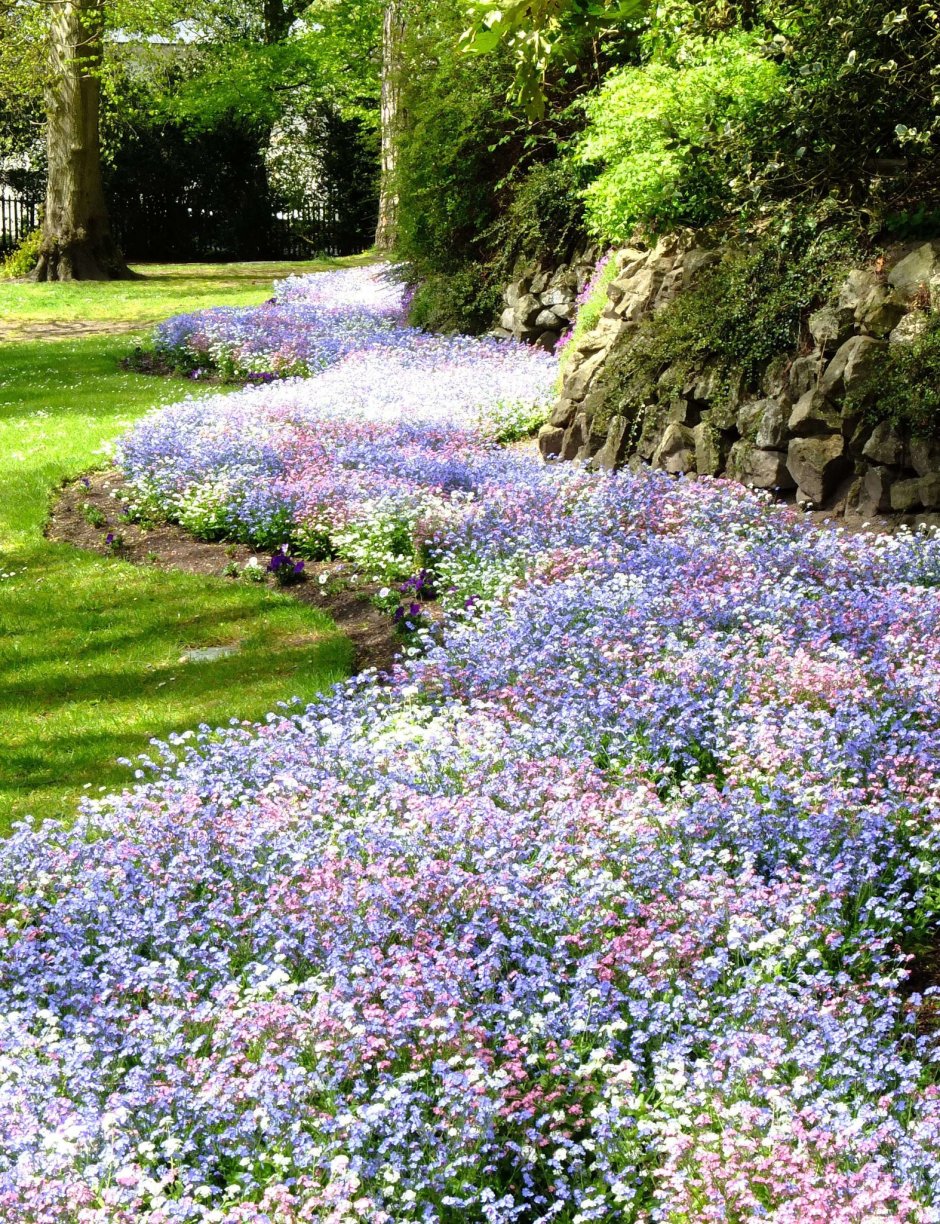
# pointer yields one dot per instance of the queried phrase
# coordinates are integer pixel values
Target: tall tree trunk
(392, 33)
(77, 240)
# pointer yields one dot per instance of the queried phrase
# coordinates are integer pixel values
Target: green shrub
(21, 261)
(464, 300)
(904, 386)
(741, 313)
(662, 137)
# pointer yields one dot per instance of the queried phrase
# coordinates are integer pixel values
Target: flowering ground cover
(598, 908)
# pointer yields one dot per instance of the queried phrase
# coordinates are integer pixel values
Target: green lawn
(90, 647)
(161, 290)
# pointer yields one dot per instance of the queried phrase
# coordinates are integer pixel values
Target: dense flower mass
(598, 909)
(310, 322)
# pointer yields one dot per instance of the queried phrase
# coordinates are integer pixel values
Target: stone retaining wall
(794, 433)
(540, 306)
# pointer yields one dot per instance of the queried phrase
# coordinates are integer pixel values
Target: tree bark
(392, 33)
(77, 240)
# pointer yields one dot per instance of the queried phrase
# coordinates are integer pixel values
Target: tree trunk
(392, 34)
(77, 241)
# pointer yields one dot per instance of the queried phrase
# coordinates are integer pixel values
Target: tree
(77, 240)
(392, 36)
(540, 32)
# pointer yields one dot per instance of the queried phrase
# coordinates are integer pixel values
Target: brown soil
(168, 547)
(74, 329)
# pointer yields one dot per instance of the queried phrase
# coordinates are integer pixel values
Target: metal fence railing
(19, 214)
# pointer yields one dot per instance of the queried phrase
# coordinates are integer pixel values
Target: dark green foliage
(466, 300)
(481, 188)
(904, 388)
(742, 312)
(23, 258)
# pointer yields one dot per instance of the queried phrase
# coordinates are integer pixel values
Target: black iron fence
(19, 215)
(165, 229)
(178, 229)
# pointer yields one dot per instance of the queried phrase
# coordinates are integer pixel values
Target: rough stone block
(911, 326)
(814, 414)
(711, 449)
(761, 469)
(616, 445)
(925, 455)
(914, 273)
(875, 494)
(804, 375)
(550, 439)
(830, 326)
(905, 496)
(854, 361)
(676, 450)
(930, 491)
(886, 446)
(817, 464)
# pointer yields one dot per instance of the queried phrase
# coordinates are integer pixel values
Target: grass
(90, 647)
(161, 290)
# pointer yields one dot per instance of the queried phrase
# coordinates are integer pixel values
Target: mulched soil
(168, 547)
(73, 329)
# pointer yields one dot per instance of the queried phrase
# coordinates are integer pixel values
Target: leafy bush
(741, 313)
(662, 137)
(22, 260)
(904, 386)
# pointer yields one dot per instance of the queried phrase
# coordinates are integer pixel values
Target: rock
(763, 422)
(578, 383)
(760, 469)
(814, 414)
(676, 451)
(527, 309)
(857, 288)
(881, 313)
(711, 450)
(563, 412)
(695, 261)
(925, 455)
(830, 326)
(209, 654)
(500, 333)
(551, 438)
(914, 273)
(854, 362)
(886, 446)
(774, 382)
(683, 411)
(515, 291)
(566, 311)
(556, 297)
(540, 282)
(547, 340)
(905, 496)
(507, 320)
(773, 432)
(930, 491)
(875, 494)
(575, 437)
(803, 376)
(817, 464)
(652, 426)
(639, 294)
(547, 320)
(616, 445)
(910, 327)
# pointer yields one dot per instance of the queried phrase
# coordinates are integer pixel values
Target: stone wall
(540, 306)
(794, 432)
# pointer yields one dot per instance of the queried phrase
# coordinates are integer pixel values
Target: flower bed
(595, 911)
(310, 323)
